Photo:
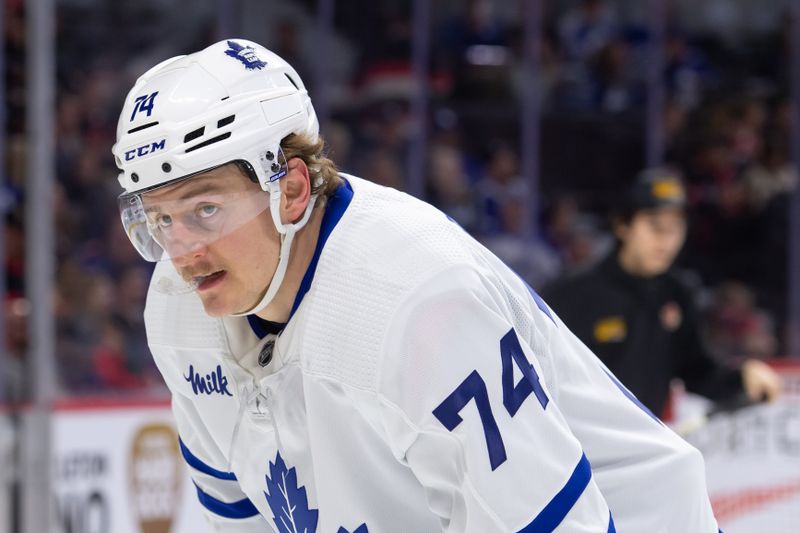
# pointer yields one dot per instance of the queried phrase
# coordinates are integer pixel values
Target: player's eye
(163, 221)
(207, 211)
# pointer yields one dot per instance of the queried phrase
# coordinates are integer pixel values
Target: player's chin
(216, 308)
(659, 267)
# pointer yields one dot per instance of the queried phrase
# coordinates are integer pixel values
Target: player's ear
(295, 191)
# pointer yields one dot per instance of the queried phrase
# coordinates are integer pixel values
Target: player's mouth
(210, 281)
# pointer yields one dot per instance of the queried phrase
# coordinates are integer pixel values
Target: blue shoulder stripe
(538, 299)
(611, 528)
(628, 394)
(540, 303)
(236, 510)
(555, 511)
(200, 466)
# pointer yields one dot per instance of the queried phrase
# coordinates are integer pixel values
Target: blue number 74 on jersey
(474, 388)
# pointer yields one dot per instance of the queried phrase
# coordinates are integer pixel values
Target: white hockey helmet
(233, 101)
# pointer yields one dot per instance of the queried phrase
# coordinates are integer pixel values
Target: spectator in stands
(502, 223)
(633, 311)
(586, 29)
(108, 359)
(573, 235)
(15, 256)
(84, 300)
(477, 25)
(288, 44)
(501, 184)
(615, 88)
(748, 120)
(475, 53)
(735, 327)
(449, 186)
(128, 319)
(15, 386)
(549, 69)
(384, 167)
(530, 257)
(340, 142)
(675, 120)
(769, 184)
(686, 71)
(773, 175)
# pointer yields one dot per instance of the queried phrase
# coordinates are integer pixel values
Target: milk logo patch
(213, 383)
(246, 55)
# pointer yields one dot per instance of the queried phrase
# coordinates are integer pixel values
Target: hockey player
(343, 357)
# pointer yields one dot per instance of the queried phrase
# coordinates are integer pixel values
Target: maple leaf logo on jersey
(246, 55)
(289, 502)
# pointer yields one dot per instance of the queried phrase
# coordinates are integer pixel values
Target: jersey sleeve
(651, 478)
(226, 507)
(467, 407)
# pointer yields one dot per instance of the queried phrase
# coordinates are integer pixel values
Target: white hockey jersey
(419, 386)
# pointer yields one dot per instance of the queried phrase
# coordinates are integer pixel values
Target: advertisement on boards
(119, 470)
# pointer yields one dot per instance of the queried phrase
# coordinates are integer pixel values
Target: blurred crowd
(726, 123)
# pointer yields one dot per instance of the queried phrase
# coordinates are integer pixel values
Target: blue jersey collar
(334, 210)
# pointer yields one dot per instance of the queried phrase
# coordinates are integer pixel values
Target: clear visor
(182, 219)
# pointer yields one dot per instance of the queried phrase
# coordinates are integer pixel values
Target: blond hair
(323, 172)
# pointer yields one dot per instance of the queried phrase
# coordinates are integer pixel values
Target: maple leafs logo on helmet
(246, 54)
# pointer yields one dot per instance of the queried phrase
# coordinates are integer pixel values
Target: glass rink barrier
(752, 457)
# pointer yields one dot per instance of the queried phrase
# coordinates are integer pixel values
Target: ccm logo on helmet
(143, 150)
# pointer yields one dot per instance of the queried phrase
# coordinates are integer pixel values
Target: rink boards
(753, 461)
(118, 469)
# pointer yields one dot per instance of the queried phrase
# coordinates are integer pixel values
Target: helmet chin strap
(287, 232)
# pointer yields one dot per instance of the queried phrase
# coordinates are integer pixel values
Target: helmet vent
(291, 81)
(225, 121)
(142, 127)
(192, 135)
(210, 141)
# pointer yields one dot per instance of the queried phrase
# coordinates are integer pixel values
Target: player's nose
(185, 245)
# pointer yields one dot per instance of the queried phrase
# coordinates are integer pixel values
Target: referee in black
(639, 318)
